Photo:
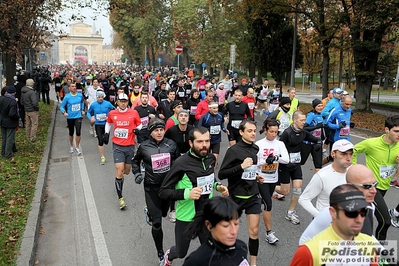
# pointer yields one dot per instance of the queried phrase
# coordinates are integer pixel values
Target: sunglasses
(367, 186)
(363, 212)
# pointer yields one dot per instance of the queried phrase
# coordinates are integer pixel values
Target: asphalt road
(82, 223)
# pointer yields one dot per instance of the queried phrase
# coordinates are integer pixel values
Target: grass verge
(17, 186)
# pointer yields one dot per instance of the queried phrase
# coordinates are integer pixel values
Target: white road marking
(98, 236)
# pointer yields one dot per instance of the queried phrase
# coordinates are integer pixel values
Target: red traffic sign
(179, 49)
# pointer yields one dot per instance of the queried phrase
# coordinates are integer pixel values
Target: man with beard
(237, 110)
(348, 210)
(135, 94)
(190, 182)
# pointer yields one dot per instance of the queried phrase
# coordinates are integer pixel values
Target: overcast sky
(101, 23)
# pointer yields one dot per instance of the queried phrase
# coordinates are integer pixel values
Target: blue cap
(337, 90)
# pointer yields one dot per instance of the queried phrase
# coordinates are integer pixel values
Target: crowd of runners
(166, 128)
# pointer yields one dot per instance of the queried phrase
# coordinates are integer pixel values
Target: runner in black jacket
(190, 182)
(239, 167)
(158, 154)
(220, 220)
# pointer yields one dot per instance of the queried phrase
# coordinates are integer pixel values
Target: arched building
(82, 45)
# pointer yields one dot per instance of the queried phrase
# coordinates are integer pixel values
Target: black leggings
(100, 131)
(74, 123)
(157, 209)
(382, 215)
(182, 241)
(266, 191)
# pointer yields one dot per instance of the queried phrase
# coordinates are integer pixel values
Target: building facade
(83, 45)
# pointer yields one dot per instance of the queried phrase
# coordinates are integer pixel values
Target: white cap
(342, 145)
(122, 96)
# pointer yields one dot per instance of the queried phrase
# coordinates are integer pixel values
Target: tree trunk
(325, 67)
(363, 92)
(252, 70)
(9, 64)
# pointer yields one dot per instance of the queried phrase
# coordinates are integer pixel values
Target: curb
(29, 239)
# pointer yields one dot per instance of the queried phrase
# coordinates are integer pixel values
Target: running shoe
(95, 134)
(292, 217)
(278, 196)
(71, 150)
(161, 255)
(78, 152)
(103, 160)
(165, 261)
(394, 218)
(147, 217)
(91, 131)
(395, 183)
(271, 238)
(122, 204)
(172, 216)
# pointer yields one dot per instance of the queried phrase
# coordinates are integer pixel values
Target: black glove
(106, 138)
(317, 146)
(271, 158)
(138, 178)
(136, 131)
(342, 124)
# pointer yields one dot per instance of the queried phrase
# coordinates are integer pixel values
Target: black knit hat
(285, 100)
(316, 102)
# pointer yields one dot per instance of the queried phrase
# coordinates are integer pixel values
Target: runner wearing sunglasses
(382, 157)
(348, 210)
(360, 176)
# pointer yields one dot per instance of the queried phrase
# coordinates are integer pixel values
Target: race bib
(275, 101)
(112, 98)
(251, 105)
(317, 133)
(249, 173)
(101, 117)
(193, 110)
(188, 92)
(244, 263)
(58, 84)
(181, 94)
(144, 121)
(235, 123)
(202, 87)
(214, 130)
(344, 132)
(269, 168)
(284, 125)
(295, 157)
(206, 182)
(121, 133)
(160, 163)
(75, 107)
(386, 171)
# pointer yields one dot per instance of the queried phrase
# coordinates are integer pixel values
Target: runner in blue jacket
(97, 115)
(214, 122)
